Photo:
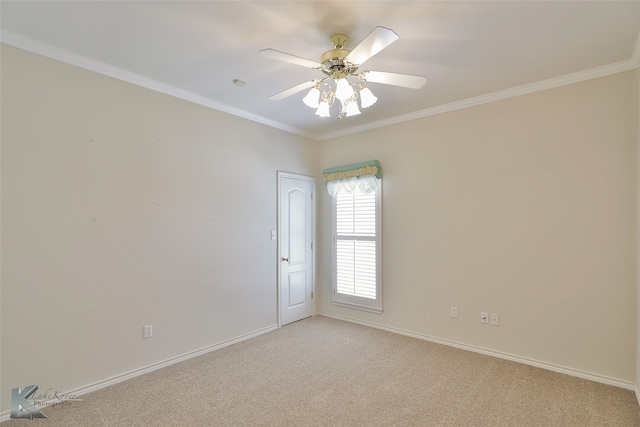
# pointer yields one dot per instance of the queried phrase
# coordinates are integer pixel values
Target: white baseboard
(159, 365)
(155, 366)
(539, 364)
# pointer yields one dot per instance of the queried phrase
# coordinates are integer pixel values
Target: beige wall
(524, 207)
(638, 244)
(123, 207)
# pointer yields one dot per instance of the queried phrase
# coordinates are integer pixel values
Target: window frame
(352, 301)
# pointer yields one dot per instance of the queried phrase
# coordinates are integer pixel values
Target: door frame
(311, 179)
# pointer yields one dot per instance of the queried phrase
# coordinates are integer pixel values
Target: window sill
(357, 306)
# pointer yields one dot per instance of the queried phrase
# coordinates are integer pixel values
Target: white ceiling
(470, 51)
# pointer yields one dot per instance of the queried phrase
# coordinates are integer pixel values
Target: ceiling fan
(339, 64)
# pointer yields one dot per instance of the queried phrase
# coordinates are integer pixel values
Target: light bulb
(323, 109)
(344, 90)
(313, 98)
(367, 98)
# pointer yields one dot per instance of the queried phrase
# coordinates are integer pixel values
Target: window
(356, 249)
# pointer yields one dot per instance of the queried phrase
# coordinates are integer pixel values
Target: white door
(295, 246)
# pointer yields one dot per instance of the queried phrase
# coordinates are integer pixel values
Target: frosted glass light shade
(367, 98)
(351, 108)
(313, 98)
(323, 110)
(344, 90)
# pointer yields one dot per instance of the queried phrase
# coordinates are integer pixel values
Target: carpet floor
(326, 372)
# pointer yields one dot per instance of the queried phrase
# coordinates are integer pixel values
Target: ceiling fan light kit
(312, 100)
(339, 64)
(367, 98)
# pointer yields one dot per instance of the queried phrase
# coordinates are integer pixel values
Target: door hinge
(311, 245)
(311, 294)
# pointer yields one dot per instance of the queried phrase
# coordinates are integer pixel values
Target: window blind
(356, 244)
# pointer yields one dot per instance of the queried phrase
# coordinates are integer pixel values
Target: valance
(347, 179)
(372, 167)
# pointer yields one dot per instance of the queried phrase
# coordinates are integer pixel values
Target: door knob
(285, 259)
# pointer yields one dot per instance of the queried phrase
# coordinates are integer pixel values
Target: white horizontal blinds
(356, 268)
(356, 244)
(356, 214)
(345, 267)
(345, 214)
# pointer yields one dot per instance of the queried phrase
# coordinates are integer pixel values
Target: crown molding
(552, 83)
(62, 55)
(65, 56)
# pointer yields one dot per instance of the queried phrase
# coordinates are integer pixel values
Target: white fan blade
(293, 90)
(377, 40)
(286, 57)
(395, 79)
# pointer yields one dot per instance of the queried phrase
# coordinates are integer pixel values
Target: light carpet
(326, 372)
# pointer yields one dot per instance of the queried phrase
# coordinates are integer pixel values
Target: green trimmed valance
(372, 167)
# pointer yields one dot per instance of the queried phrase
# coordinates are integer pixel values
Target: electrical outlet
(454, 312)
(495, 319)
(147, 331)
(484, 317)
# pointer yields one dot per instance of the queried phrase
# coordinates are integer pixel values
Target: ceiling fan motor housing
(333, 60)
